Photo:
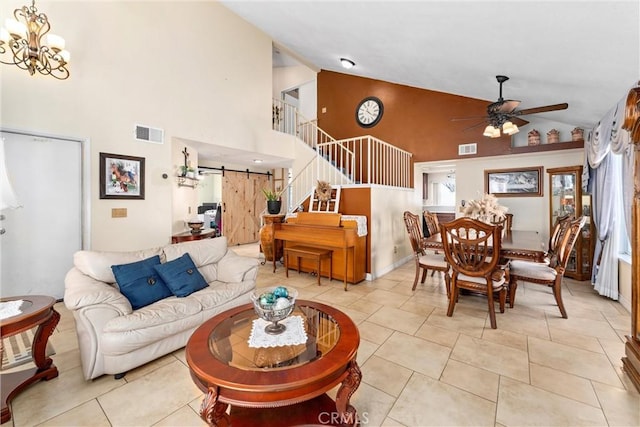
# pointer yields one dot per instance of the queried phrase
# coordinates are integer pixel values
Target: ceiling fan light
(488, 131)
(512, 130)
(496, 133)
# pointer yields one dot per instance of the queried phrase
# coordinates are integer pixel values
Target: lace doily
(10, 308)
(293, 335)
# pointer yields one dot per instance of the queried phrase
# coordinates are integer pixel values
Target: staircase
(363, 160)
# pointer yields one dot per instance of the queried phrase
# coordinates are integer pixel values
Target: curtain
(610, 164)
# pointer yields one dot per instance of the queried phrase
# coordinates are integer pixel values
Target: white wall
(390, 246)
(194, 69)
(529, 213)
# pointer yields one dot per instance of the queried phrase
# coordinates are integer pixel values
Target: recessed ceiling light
(347, 63)
(257, 160)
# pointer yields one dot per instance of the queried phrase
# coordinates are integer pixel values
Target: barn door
(242, 203)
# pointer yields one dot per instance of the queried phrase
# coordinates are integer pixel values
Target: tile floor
(420, 367)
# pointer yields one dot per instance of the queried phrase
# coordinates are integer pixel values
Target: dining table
(516, 244)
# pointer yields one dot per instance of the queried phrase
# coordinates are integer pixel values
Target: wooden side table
(188, 235)
(271, 252)
(37, 310)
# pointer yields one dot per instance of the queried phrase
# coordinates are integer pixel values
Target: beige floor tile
(573, 360)
(572, 339)
(58, 395)
(365, 306)
(474, 380)
(416, 307)
(365, 350)
(459, 322)
(428, 402)
(64, 340)
(512, 321)
(356, 315)
(415, 353)
(88, 414)
(385, 375)
(521, 404)
(564, 384)
(397, 319)
(493, 357)
(145, 369)
(183, 417)
(153, 403)
(372, 405)
(390, 422)
(590, 328)
(375, 333)
(620, 408)
(338, 296)
(387, 298)
(437, 335)
(506, 337)
(67, 360)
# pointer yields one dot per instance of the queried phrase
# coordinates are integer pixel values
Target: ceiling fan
(503, 113)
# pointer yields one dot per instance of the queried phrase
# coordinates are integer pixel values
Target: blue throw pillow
(181, 276)
(140, 283)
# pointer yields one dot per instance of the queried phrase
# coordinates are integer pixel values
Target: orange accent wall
(416, 120)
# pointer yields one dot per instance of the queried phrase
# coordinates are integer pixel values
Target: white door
(37, 246)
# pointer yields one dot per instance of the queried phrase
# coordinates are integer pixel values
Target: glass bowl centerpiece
(274, 304)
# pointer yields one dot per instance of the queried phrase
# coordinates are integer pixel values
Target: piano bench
(309, 252)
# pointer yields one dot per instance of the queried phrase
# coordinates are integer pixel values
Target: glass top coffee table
(278, 386)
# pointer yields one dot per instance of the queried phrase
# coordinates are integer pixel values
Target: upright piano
(331, 231)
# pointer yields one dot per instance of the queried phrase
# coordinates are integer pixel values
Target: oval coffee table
(276, 386)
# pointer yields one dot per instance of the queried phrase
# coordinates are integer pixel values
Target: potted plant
(273, 201)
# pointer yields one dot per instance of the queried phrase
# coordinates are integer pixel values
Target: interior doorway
(242, 204)
(40, 238)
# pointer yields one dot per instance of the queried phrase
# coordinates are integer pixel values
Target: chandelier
(493, 130)
(23, 43)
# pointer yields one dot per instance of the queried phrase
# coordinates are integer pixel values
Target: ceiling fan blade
(518, 121)
(475, 126)
(544, 109)
(458, 119)
(503, 107)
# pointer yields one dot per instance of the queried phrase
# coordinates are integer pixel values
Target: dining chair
(560, 227)
(431, 220)
(469, 247)
(548, 274)
(424, 261)
(506, 222)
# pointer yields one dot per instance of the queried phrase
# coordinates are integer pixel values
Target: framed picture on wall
(519, 182)
(121, 177)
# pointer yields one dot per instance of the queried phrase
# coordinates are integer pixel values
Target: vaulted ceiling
(585, 53)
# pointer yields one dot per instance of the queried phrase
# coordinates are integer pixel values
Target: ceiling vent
(149, 134)
(467, 149)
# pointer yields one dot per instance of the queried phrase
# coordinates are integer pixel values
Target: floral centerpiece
(486, 209)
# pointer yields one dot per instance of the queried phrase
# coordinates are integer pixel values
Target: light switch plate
(119, 213)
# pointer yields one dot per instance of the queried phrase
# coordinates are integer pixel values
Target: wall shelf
(185, 181)
(547, 147)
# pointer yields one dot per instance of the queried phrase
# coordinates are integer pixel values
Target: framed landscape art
(518, 182)
(121, 177)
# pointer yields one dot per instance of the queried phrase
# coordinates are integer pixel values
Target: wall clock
(369, 112)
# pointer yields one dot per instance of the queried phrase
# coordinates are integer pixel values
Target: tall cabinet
(566, 197)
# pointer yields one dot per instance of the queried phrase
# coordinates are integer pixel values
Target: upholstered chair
(550, 274)
(423, 260)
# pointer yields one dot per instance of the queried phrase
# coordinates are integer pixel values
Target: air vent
(466, 149)
(149, 134)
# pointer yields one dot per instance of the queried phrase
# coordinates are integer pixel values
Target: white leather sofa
(113, 338)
